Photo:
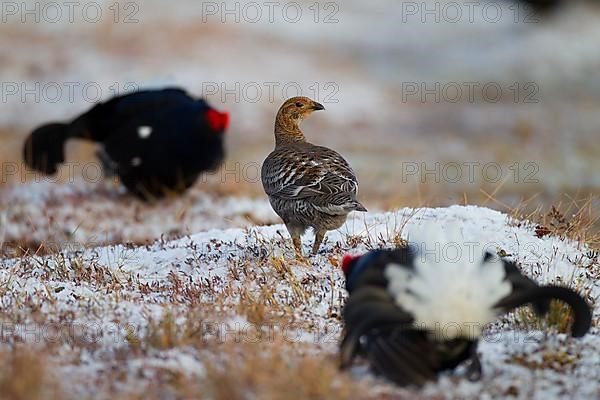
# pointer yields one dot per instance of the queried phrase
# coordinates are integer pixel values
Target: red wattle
(218, 121)
(347, 260)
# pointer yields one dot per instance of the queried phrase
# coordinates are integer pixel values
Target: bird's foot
(300, 257)
(298, 248)
(318, 240)
(473, 371)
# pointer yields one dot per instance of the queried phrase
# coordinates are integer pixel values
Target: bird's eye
(299, 104)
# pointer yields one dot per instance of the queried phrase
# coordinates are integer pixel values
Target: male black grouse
(413, 314)
(156, 141)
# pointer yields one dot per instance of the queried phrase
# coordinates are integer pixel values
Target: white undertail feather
(451, 291)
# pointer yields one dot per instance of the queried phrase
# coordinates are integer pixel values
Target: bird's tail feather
(44, 148)
(402, 357)
(581, 310)
(367, 309)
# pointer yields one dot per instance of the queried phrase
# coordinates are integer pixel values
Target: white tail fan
(451, 291)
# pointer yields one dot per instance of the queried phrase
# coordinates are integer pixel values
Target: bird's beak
(317, 106)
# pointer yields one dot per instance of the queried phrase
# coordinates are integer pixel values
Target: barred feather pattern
(309, 185)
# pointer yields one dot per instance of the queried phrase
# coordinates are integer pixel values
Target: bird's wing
(315, 172)
(101, 121)
(147, 101)
(366, 309)
(137, 102)
(403, 356)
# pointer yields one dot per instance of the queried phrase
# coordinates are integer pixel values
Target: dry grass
(24, 375)
(263, 285)
(559, 318)
(271, 372)
(568, 217)
(559, 361)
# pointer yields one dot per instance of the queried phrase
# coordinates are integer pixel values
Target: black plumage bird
(550, 7)
(413, 316)
(156, 141)
(544, 6)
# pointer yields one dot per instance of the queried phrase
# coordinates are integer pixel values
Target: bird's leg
(474, 367)
(319, 235)
(297, 244)
(296, 233)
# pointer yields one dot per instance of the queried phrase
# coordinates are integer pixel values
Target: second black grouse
(414, 312)
(156, 141)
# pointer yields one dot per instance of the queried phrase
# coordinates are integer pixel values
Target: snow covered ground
(48, 217)
(103, 296)
(230, 312)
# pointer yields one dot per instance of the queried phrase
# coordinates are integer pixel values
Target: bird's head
(348, 262)
(293, 111)
(298, 108)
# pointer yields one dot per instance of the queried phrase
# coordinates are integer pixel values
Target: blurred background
(432, 102)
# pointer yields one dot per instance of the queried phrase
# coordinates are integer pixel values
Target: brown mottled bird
(308, 186)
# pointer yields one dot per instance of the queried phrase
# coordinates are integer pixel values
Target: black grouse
(412, 315)
(543, 6)
(156, 141)
(309, 186)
